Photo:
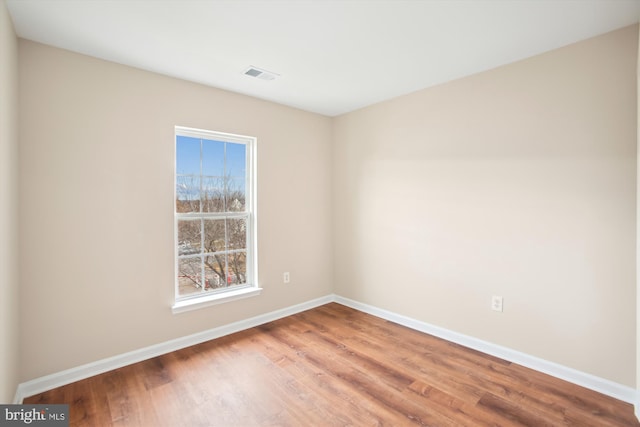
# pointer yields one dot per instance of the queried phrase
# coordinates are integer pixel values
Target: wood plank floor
(332, 366)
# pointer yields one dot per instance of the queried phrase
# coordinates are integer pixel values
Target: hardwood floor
(332, 366)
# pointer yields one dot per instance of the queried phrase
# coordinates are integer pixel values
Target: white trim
(48, 382)
(601, 385)
(213, 299)
(212, 134)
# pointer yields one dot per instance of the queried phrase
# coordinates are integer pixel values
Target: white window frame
(251, 288)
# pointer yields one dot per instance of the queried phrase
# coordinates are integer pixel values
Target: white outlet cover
(496, 303)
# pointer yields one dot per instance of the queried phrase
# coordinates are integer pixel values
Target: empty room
(319, 213)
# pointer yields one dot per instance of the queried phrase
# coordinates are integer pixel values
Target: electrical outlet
(286, 278)
(496, 303)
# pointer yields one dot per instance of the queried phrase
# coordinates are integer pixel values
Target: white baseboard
(17, 398)
(48, 382)
(601, 385)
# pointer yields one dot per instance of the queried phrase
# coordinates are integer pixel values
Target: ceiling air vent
(260, 73)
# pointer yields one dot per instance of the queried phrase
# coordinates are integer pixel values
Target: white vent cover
(260, 73)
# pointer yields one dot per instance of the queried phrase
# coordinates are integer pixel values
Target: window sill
(197, 303)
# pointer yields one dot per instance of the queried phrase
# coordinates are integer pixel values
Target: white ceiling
(332, 56)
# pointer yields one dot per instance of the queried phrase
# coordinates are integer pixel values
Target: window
(214, 218)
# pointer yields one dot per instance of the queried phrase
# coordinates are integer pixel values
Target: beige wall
(96, 179)
(520, 182)
(8, 207)
(637, 405)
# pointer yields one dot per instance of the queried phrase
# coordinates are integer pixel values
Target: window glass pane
(237, 233)
(187, 155)
(212, 158)
(236, 160)
(214, 235)
(213, 194)
(237, 268)
(189, 275)
(187, 194)
(215, 271)
(189, 237)
(236, 195)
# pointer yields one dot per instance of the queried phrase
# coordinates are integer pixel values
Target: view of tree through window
(212, 214)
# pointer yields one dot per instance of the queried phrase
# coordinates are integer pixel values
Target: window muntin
(214, 213)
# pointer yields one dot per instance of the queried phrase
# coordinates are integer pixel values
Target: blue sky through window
(213, 157)
(205, 166)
